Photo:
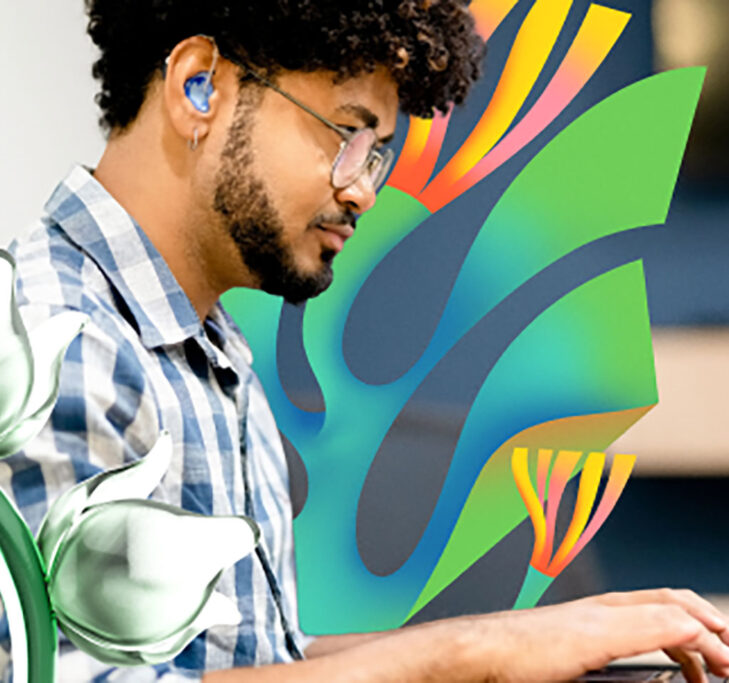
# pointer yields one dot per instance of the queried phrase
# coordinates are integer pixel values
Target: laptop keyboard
(619, 674)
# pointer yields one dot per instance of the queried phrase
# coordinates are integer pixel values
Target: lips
(335, 235)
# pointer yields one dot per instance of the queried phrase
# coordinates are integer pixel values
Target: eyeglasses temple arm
(342, 131)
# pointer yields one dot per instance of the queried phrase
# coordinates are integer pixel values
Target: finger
(691, 665)
(694, 604)
(634, 629)
(697, 606)
(714, 652)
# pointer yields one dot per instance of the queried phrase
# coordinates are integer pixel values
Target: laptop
(640, 674)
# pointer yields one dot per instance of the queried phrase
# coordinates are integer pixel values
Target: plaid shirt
(145, 362)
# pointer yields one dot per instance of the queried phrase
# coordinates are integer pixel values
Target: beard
(250, 218)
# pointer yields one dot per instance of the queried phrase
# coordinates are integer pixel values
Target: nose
(359, 196)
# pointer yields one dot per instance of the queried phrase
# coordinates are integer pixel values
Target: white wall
(48, 119)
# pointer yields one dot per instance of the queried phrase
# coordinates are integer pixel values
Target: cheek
(294, 168)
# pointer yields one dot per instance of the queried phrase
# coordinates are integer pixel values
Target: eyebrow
(367, 117)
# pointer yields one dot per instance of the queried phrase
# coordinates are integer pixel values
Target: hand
(710, 617)
(561, 642)
(554, 643)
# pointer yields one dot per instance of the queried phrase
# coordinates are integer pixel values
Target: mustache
(346, 218)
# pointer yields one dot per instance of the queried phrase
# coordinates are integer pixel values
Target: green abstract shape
(534, 586)
(611, 170)
(596, 339)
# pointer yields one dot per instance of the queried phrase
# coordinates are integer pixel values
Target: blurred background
(668, 527)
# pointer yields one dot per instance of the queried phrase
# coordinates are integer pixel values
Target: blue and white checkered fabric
(143, 363)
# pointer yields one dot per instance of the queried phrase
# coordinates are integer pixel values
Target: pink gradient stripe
(543, 462)
(563, 467)
(619, 474)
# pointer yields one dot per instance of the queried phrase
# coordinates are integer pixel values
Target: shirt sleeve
(105, 416)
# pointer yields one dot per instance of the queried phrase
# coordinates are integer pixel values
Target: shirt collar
(100, 227)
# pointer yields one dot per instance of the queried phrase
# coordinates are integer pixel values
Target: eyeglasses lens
(379, 172)
(356, 157)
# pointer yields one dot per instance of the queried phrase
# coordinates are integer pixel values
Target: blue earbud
(197, 93)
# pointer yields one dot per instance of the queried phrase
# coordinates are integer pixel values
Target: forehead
(369, 98)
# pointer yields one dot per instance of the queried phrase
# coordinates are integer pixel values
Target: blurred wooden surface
(687, 433)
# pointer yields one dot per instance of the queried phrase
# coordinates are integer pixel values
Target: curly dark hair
(429, 46)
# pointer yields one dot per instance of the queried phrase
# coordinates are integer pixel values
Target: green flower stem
(19, 553)
(535, 583)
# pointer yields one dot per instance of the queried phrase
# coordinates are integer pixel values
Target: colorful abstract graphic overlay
(574, 378)
(542, 504)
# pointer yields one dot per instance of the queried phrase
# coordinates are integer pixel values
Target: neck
(152, 177)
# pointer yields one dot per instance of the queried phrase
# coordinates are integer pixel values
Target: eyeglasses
(357, 153)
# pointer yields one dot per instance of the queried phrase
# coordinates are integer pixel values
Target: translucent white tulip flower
(131, 581)
(29, 364)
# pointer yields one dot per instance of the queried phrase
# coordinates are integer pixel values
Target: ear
(192, 100)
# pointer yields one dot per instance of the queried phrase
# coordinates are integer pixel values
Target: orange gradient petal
(419, 154)
(598, 34)
(530, 51)
(489, 14)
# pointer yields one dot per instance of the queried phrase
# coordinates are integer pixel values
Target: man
(244, 143)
